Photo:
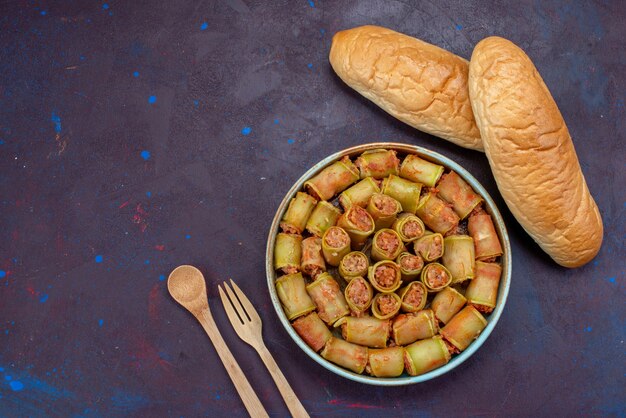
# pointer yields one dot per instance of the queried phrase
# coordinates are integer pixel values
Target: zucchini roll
(420, 171)
(328, 298)
(359, 194)
(312, 330)
(404, 191)
(408, 328)
(430, 247)
(383, 209)
(486, 242)
(436, 213)
(409, 227)
(378, 163)
(386, 305)
(447, 303)
(287, 252)
(413, 297)
(358, 224)
(335, 245)
(459, 257)
(351, 356)
(333, 179)
(454, 190)
(464, 328)
(358, 294)
(366, 330)
(482, 292)
(410, 266)
(385, 276)
(297, 214)
(324, 216)
(425, 355)
(386, 362)
(386, 245)
(354, 264)
(312, 260)
(293, 296)
(435, 277)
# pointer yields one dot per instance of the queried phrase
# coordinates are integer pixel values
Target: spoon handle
(249, 398)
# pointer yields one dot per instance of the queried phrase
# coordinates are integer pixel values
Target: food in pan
(367, 277)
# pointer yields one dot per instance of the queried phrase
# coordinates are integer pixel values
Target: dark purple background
(105, 190)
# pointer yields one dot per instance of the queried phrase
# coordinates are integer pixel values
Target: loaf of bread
(420, 84)
(531, 153)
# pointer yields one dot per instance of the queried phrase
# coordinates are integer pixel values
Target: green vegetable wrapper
(351, 356)
(459, 257)
(287, 252)
(312, 260)
(464, 328)
(430, 247)
(383, 209)
(413, 296)
(354, 264)
(486, 242)
(410, 266)
(293, 296)
(378, 163)
(386, 362)
(404, 191)
(420, 171)
(425, 355)
(386, 245)
(358, 294)
(297, 214)
(453, 189)
(435, 276)
(365, 330)
(324, 216)
(447, 303)
(385, 305)
(312, 330)
(409, 227)
(408, 328)
(327, 296)
(333, 179)
(385, 276)
(482, 292)
(358, 224)
(359, 194)
(335, 245)
(436, 213)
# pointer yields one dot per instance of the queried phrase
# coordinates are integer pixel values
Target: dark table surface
(137, 136)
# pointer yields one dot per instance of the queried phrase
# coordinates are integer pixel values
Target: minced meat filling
(288, 228)
(482, 308)
(385, 276)
(414, 296)
(386, 304)
(412, 229)
(411, 262)
(360, 218)
(354, 263)
(436, 247)
(387, 242)
(478, 210)
(336, 238)
(436, 277)
(385, 204)
(357, 293)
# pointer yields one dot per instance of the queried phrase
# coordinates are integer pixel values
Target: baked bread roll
(414, 81)
(531, 153)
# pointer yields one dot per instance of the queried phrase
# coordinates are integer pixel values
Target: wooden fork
(247, 324)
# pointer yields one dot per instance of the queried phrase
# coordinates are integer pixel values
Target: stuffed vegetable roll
(312, 259)
(430, 247)
(413, 297)
(447, 303)
(312, 330)
(333, 179)
(420, 171)
(454, 190)
(410, 327)
(359, 194)
(385, 276)
(291, 290)
(366, 330)
(354, 264)
(410, 266)
(486, 241)
(386, 245)
(287, 252)
(351, 356)
(378, 163)
(297, 213)
(437, 214)
(358, 224)
(409, 227)
(386, 362)
(482, 292)
(404, 191)
(383, 209)
(358, 294)
(324, 216)
(464, 328)
(328, 298)
(386, 305)
(436, 277)
(335, 245)
(459, 257)
(425, 355)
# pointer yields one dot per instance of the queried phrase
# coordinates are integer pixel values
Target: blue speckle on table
(322, 31)
(204, 26)
(82, 58)
(588, 329)
(187, 236)
(105, 6)
(310, 65)
(100, 322)
(135, 74)
(1, 142)
(458, 27)
(56, 119)
(43, 13)
(152, 99)
(196, 103)
(110, 13)
(276, 121)
(8, 377)
(246, 130)
(162, 277)
(3, 274)
(43, 298)
(145, 154)
(311, 3)
(16, 385)
(149, 194)
(611, 279)
(291, 141)
(147, 262)
(99, 259)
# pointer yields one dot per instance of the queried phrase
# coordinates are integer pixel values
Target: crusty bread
(414, 81)
(531, 153)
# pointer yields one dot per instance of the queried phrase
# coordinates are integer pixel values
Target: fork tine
(233, 316)
(252, 313)
(241, 310)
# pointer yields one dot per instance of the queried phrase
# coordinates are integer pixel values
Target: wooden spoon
(187, 286)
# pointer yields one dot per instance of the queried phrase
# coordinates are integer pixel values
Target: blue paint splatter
(152, 99)
(16, 385)
(196, 103)
(110, 13)
(43, 12)
(612, 279)
(290, 141)
(162, 277)
(8, 378)
(588, 329)
(246, 130)
(458, 27)
(275, 121)
(105, 6)
(148, 194)
(145, 154)
(99, 259)
(1, 142)
(57, 122)
(147, 262)
(311, 3)
(135, 74)
(3, 274)
(43, 298)
(100, 322)
(322, 31)
(187, 236)
(217, 397)
(310, 65)
(82, 58)
(204, 26)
